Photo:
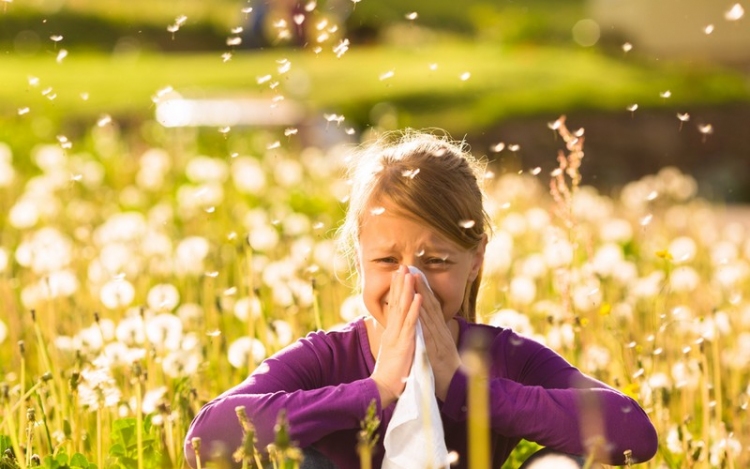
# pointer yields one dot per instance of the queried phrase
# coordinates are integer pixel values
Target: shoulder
(517, 356)
(335, 343)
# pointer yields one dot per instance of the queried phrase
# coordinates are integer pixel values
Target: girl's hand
(440, 344)
(396, 352)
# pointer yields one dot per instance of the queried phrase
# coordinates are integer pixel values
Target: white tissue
(414, 437)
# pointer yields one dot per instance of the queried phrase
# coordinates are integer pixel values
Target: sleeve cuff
(454, 406)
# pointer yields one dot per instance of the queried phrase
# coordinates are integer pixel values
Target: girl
(417, 202)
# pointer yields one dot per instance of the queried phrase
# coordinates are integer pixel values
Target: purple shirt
(323, 381)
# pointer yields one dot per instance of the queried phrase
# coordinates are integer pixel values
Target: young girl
(417, 202)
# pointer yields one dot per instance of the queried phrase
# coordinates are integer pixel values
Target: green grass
(504, 82)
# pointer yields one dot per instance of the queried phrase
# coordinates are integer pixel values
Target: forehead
(383, 226)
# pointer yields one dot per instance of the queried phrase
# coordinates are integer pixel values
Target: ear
(478, 259)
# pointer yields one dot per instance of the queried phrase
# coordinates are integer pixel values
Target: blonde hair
(428, 178)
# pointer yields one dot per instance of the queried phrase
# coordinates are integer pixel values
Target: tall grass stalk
(478, 403)
(139, 414)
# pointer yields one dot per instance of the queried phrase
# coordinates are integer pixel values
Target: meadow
(144, 269)
(135, 287)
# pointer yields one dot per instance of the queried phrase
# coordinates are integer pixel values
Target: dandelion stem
(478, 403)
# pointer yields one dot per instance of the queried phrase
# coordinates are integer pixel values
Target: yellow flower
(664, 254)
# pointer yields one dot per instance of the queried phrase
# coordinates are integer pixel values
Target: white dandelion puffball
(164, 330)
(247, 308)
(163, 297)
(207, 169)
(263, 238)
(683, 249)
(616, 230)
(248, 175)
(522, 290)
(117, 293)
(244, 349)
(190, 254)
(684, 279)
(557, 252)
(511, 319)
(352, 308)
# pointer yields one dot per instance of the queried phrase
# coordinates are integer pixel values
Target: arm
(295, 379)
(535, 394)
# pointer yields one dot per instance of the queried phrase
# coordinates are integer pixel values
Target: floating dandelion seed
(224, 130)
(338, 119)
(212, 274)
(536, 171)
(514, 147)
(84, 96)
(489, 174)
(226, 56)
(467, 224)
(61, 55)
(632, 108)
(180, 20)
(214, 333)
(433, 66)
(273, 85)
(290, 131)
(209, 209)
(298, 19)
(247, 10)
(234, 41)
(410, 173)
(104, 120)
(708, 29)
(284, 66)
(377, 211)
(277, 98)
(263, 79)
(665, 94)
(705, 130)
(465, 76)
(317, 50)
(310, 6)
(56, 38)
(411, 16)
(646, 220)
(236, 30)
(683, 118)
(64, 142)
(230, 291)
(318, 225)
(627, 47)
(33, 81)
(420, 253)
(76, 177)
(173, 28)
(341, 48)
(273, 145)
(652, 196)
(386, 75)
(555, 125)
(498, 147)
(734, 13)
(355, 2)
(23, 110)
(349, 131)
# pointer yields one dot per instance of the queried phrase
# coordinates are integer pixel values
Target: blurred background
(654, 83)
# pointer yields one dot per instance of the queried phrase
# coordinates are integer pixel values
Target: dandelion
(522, 290)
(163, 297)
(117, 294)
(164, 330)
(244, 351)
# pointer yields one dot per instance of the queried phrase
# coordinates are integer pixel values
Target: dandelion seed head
(244, 351)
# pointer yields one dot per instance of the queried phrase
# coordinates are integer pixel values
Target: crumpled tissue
(414, 437)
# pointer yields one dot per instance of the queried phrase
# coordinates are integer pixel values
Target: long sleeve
(322, 383)
(536, 395)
